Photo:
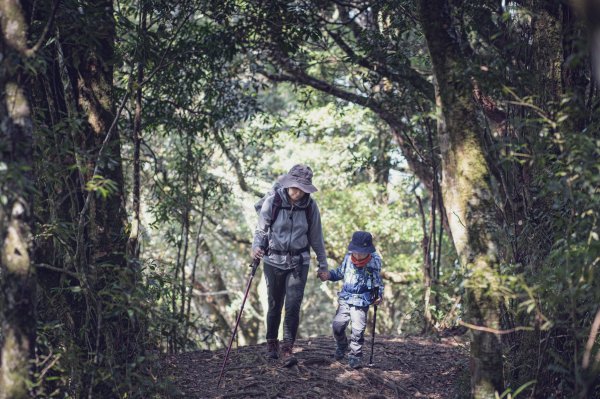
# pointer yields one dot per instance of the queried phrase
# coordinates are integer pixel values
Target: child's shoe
(340, 351)
(354, 362)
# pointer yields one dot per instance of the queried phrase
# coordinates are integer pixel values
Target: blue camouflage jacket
(358, 282)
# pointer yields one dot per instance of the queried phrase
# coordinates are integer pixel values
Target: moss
(484, 389)
(14, 252)
(17, 104)
(14, 368)
(13, 24)
(476, 233)
(15, 248)
(468, 198)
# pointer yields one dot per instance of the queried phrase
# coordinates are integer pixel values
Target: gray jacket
(290, 232)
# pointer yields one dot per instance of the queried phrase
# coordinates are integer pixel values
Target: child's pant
(358, 316)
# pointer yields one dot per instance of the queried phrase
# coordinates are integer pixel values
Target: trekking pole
(375, 294)
(254, 266)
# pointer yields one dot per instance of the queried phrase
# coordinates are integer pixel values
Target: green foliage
(349, 150)
(102, 186)
(509, 394)
(557, 293)
(130, 314)
(570, 276)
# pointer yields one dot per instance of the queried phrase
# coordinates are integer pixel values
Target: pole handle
(373, 335)
(254, 265)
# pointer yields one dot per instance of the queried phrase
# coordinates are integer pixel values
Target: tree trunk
(547, 49)
(428, 324)
(17, 277)
(102, 329)
(93, 88)
(213, 282)
(467, 195)
(133, 249)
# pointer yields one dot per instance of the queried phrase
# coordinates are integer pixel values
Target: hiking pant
(358, 316)
(285, 285)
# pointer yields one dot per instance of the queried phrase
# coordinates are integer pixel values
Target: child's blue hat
(362, 242)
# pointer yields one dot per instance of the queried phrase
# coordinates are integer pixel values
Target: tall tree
(100, 221)
(81, 186)
(17, 277)
(467, 194)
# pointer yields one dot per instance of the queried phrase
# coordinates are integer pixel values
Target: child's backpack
(278, 205)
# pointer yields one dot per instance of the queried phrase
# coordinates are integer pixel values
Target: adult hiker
(289, 224)
(360, 271)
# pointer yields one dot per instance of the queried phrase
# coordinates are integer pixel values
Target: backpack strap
(275, 208)
(369, 272)
(307, 213)
(374, 291)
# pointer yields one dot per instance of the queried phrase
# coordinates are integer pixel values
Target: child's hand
(377, 301)
(324, 276)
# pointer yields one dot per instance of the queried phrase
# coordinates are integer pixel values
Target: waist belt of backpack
(292, 253)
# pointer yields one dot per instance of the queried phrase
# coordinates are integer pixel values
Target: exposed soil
(413, 367)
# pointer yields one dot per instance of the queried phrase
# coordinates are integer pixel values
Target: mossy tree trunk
(89, 61)
(467, 194)
(17, 277)
(81, 186)
(100, 253)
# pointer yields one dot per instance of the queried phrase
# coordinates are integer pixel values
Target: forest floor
(407, 367)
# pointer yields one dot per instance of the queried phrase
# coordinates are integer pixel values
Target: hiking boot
(340, 351)
(273, 349)
(354, 362)
(287, 354)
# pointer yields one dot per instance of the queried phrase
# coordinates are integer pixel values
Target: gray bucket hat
(300, 176)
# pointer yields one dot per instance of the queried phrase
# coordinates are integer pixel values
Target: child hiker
(362, 287)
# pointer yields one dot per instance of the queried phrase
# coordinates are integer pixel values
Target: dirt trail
(413, 367)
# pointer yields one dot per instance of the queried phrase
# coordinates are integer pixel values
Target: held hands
(323, 275)
(377, 301)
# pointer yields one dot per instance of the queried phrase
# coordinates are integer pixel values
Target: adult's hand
(377, 301)
(258, 253)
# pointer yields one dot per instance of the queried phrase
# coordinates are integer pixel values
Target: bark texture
(17, 284)
(467, 194)
(81, 196)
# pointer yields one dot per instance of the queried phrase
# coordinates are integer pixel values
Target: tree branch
(59, 270)
(493, 330)
(395, 278)
(228, 234)
(237, 167)
(408, 75)
(302, 78)
(420, 167)
(30, 52)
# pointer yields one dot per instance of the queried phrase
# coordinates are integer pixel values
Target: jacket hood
(285, 200)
